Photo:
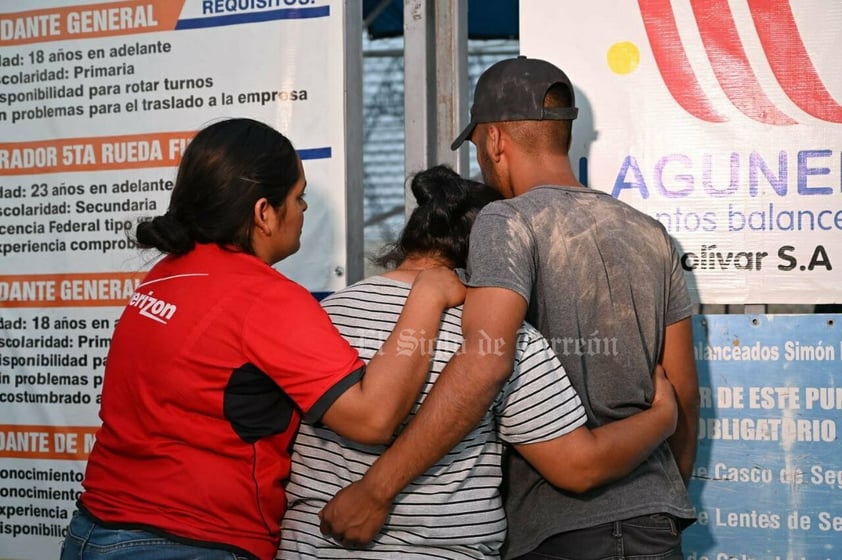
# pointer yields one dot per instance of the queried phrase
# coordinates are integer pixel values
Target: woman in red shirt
(218, 356)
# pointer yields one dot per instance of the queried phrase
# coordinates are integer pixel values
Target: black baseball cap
(514, 90)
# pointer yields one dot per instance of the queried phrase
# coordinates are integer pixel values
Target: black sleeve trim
(325, 401)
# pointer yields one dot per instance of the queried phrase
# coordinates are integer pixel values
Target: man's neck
(544, 170)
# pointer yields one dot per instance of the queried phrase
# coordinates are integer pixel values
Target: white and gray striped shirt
(454, 510)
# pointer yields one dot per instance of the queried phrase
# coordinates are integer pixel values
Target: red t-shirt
(213, 362)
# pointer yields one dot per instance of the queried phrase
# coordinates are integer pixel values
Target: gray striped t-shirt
(454, 510)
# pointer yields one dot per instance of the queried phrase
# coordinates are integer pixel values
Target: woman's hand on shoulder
(442, 285)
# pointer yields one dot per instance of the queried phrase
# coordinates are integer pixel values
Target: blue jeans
(648, 537)
(86, 540)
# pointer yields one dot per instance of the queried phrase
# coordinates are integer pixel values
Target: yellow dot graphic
(623, 57)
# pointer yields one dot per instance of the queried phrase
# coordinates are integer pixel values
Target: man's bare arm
(680, 364)
(461, 396)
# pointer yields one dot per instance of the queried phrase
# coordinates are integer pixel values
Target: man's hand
(354, 516)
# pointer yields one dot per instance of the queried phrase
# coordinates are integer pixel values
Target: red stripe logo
(788, 59)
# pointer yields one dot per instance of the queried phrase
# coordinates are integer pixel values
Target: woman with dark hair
(455, 509)
(218, 356)
(440, 225)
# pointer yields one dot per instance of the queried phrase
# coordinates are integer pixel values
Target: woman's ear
(263, 212)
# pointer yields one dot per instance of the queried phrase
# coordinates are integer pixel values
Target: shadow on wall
(584, 134)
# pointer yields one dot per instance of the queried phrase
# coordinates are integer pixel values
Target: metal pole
(435, 84)
(452, 80)
(419, 90)
(354, 195)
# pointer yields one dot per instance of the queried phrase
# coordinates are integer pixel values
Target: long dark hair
(227, 167)
(441, 223)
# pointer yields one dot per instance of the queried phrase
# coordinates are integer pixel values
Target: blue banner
(767, 483)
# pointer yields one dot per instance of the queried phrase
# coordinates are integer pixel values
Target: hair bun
(442, 192)
(166, 233)
(441, 223)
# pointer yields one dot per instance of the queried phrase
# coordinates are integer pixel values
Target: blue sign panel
(767, 482)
